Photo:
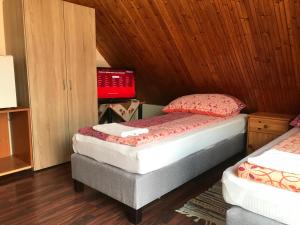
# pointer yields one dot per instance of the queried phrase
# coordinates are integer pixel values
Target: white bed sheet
(149, 157)
(275, 203)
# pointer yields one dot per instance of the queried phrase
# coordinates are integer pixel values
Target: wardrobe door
(45, 54)
(81, 65)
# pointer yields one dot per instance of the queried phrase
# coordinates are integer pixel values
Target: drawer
(267, 125)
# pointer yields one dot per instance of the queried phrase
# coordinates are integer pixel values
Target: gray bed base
(136, 190)
(239, 216)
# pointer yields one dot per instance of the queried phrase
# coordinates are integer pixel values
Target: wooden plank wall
(247, 48)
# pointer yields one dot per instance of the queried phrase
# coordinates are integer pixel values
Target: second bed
(272, 202)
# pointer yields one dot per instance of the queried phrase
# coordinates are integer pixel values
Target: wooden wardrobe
(53, 43)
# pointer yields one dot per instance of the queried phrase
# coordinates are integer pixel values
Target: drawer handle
(259, 121)
(265, 126)
(259, 128)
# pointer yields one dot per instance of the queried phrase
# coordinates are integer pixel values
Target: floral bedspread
(291, 144)
(280, 179)
(160, 127)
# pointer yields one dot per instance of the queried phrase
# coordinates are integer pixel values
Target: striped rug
(208, 208)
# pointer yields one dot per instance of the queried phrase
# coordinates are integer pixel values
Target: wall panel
(248, 48)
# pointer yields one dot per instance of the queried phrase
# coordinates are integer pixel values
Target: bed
(180, 145)
(272, 202)
(239, 216)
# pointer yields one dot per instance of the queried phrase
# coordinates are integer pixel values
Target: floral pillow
(206, 104)
(296, 122)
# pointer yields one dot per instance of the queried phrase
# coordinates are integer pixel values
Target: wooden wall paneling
(246, 53)
(237, 49)
(292, 8)
(168, 21)
(119, 27)
(250, 49)
(21, 136)
(149, 49)
(80, 36)
(44, 30)
(132, 56)
(110, 42)
(4, 137)
(146, 30)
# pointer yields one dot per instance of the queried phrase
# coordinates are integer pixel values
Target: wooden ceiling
(246, 48)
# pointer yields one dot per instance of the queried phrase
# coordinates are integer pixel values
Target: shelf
(12, 164)
(15, 140)
(16, 109)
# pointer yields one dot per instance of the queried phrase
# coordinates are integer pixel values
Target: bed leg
(78, 186)
(134, 215)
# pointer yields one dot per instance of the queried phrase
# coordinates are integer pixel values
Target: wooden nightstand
(264, 127)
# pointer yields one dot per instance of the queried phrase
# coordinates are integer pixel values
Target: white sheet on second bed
(149, 157)
(275, 203)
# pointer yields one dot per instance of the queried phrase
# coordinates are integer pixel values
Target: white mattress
(275, 203)
(149, 157)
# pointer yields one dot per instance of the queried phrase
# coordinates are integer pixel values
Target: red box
(115, 84)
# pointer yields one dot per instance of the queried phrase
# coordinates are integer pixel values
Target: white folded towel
(278, 160)
(120, 130)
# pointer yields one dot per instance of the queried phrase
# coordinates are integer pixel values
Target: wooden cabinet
(44, 39)
(264, 127)
(55, 72)
(80, 32)
(15, 140)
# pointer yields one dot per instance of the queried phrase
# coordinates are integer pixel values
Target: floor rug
(209, 207)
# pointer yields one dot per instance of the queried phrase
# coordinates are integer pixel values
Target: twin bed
(197, 133)
(268, 196)
(146, 158)
(136, 175)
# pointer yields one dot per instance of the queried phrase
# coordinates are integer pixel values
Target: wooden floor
(47, 197)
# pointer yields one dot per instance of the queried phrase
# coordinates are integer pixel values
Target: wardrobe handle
(70, 84)
(64, 84)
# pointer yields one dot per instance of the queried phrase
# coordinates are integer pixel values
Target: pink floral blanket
(291, 144)
(160, 127)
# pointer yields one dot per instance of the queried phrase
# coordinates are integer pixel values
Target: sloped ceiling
(249, 49)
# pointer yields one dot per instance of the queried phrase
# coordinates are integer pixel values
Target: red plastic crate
(115, 84)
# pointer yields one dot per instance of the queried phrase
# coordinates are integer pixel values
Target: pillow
(296, 121)
(206, 104)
